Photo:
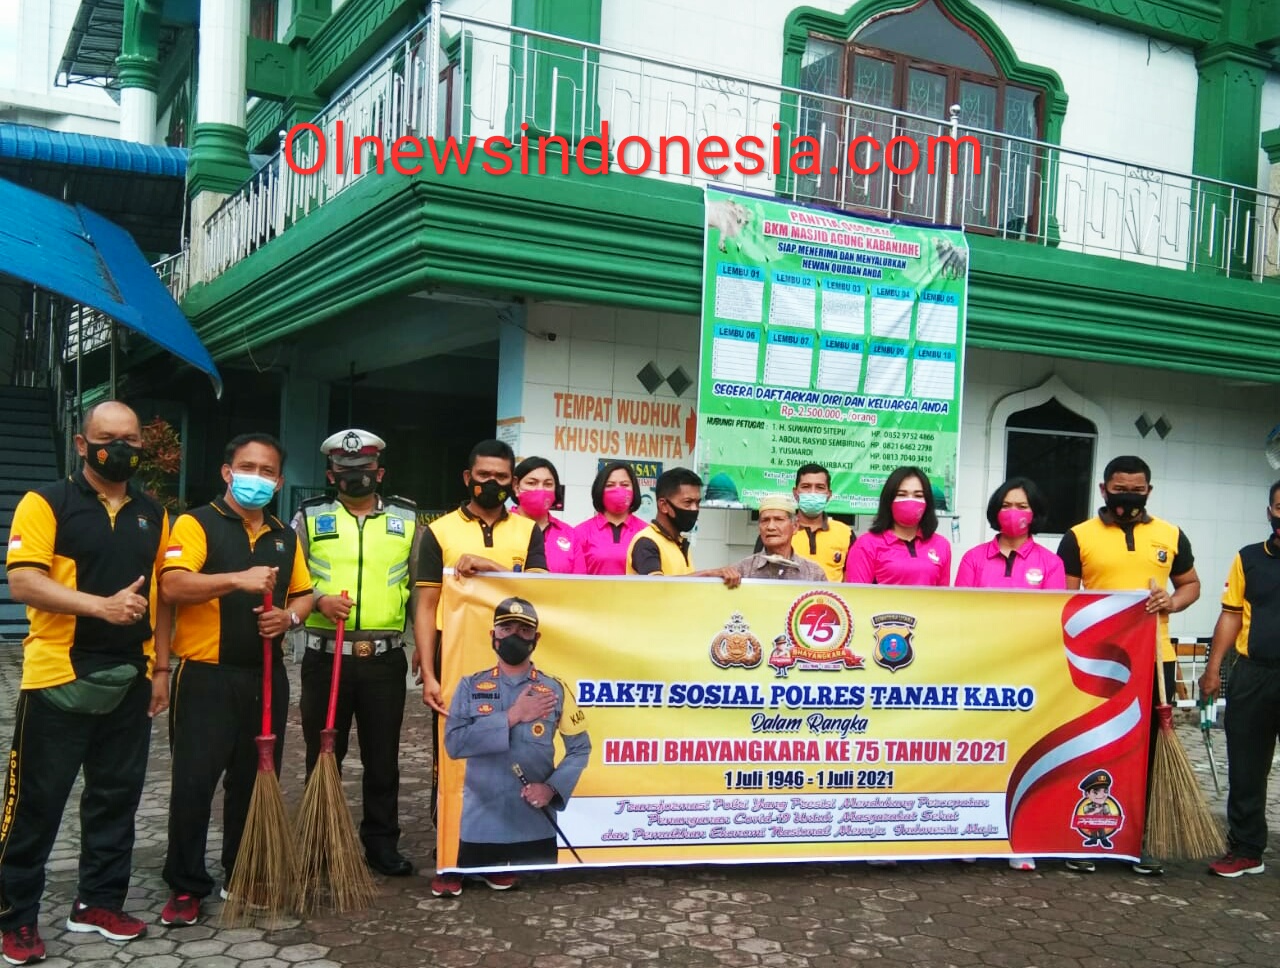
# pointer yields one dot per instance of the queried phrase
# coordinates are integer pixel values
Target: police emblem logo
(1162, 556)
(893, 633)
(563, 543)
(515, 608)
(837, 557)
(486, 686)
(538, 687)
(1035, 577)
(327, 524)
(1097, 816)
(734, 645)
(143, 524)
(484, 709)
(351, 443)
(538, 729)
(279, 546)
(933, 556)
(820, 633)
(395, 525)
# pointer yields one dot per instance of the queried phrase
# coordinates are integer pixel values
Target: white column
(138, 115)
(220, 97)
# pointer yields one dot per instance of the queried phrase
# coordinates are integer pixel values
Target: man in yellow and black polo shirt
(359, 548)
(221, 560)
(662, 548)
(1124, 548)
(83, 554)
(480, 536)
(1250, 621)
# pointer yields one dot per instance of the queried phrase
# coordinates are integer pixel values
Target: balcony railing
(501, 77)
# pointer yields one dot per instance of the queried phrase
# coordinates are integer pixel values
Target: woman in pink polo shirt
(602, 541)
(537, 489)
(902, 546)
(1013, 558)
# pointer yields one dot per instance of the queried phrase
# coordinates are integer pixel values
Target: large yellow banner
(783, 721)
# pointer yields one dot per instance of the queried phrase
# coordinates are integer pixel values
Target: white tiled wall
(1209, 474)
(1152, 123)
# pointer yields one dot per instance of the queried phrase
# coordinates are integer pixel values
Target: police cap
(515, 610)
(1098, 778)
(352, 448)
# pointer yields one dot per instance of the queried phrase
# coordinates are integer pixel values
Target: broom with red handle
(1179, 823)
(331, 872)
(265, 873)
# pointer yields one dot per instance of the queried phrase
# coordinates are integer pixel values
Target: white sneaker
(1022, 863)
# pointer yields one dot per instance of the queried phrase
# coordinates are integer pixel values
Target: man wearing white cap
(359, 547)
(779, 560)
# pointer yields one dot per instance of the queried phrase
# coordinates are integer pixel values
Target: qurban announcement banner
(781, 721)
(832, 339)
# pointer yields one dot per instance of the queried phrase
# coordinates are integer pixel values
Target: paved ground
(794, 916)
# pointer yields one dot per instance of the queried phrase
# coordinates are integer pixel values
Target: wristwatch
(294, 621)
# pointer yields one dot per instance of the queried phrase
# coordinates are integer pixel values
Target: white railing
(1015, 188)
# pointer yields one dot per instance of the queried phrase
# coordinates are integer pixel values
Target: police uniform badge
(837, 557)
(484, 709)
(564, 544)
(486, 685)
(538, 729)
(1162, 555)
(326, 524)
(395, 525)
(279, 546)
(1097, 816)
(142, 523)
(893, 632)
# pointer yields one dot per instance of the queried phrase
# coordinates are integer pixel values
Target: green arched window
(899, 58)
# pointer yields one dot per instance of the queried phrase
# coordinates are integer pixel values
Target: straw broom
(1179, 824)
(265, 872)
(325, 843)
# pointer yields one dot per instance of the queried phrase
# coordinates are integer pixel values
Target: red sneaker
(446, 885)
(22, 945)
(1229, 865)
(500, 882)
(182, 909)
(112, 925)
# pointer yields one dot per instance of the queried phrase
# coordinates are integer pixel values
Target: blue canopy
(25, 142)
(72, 251)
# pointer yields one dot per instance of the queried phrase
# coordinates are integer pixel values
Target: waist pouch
(97, 693)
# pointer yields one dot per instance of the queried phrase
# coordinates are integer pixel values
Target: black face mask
(1126, 505)
(117, 460)
(513, 650)
(684, 519)
(489, 494)
(360, 482)
(1275, 525)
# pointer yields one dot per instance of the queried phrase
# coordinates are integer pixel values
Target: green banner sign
(829, 339)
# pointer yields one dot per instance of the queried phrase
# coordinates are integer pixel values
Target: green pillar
(1231, 73)
(540, 67)
(138, 70)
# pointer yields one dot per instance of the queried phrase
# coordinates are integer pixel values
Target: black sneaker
(1148, 867)
(1082, 866)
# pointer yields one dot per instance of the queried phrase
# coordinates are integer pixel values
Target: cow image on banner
(786, 722)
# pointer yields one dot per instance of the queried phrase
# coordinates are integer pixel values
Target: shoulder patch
(326, 524)
(395, 525)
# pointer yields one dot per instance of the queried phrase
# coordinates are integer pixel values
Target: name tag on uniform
(395, 525)
(326, 524)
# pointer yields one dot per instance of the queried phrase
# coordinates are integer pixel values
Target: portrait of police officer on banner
(503, 722)
(359, 548)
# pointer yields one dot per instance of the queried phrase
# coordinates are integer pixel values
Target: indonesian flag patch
(15, 542)
(173, 551)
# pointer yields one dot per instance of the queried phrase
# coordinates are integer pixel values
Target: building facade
(1122, 232)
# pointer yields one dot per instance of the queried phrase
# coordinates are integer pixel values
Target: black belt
(1265, 663)
(360, 648)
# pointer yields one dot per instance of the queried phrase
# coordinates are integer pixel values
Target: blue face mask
(813, 504)
(251, 491)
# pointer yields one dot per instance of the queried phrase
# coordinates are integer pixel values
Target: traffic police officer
(362, 544)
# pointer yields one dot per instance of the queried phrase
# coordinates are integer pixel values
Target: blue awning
(24, 142)
(72, 251)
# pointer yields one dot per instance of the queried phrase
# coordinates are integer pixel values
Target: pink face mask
(1014, 522)
(536, 503)
(617, 500)
(907, 511)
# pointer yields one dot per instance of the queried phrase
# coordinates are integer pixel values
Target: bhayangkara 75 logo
(820, 632)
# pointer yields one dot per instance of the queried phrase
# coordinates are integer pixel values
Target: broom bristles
(263, 880)
(1179, 823)
(330, 861)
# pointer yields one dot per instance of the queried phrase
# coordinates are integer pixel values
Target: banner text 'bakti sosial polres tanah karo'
(780, 721)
